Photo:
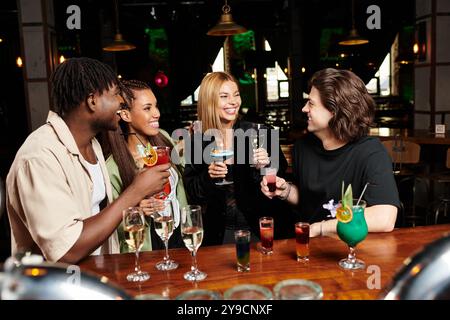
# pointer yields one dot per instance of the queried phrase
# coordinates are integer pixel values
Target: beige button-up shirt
(49, 192)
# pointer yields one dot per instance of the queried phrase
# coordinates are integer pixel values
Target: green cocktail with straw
(351, 227)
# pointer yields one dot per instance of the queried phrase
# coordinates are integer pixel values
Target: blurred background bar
(272, 47)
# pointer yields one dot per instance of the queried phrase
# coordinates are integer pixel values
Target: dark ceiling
(191, 51)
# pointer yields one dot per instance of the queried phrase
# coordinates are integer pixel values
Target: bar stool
(402, 152)
(287, 152)
(405, 157)
(443, 203)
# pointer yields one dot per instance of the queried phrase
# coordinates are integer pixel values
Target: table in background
(384, 250)
(419, 136)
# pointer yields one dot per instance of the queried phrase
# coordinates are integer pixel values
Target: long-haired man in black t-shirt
(336, 150)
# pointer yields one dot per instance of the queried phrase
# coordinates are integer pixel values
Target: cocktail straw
(364, 190)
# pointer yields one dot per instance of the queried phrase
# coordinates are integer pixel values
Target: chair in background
(412, 187)
(287, 152)
(442, 205)
(402, 152)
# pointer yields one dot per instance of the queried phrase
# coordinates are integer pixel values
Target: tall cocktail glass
(352, 233)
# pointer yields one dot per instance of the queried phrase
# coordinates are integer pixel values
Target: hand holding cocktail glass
(259, 153)
(155, 156)
(260, 158)
(220, 167)
(273, 186)
(151, 205)
(151, 180)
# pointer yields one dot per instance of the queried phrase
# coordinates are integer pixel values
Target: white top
(98, 192)
(173, 179)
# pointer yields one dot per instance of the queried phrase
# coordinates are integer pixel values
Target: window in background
(218, 65)
(284, 88)
(276, 80)
(381, 83)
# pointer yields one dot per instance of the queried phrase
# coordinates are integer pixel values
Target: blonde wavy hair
(208, 99)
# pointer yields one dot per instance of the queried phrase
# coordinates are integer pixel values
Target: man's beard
(105, 125)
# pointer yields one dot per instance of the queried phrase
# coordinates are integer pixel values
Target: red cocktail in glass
(163, 157)
(302, 241)
(266, 234)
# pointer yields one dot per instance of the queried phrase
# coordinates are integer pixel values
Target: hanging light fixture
(226, 26)
(353, 39)
(19, 62)
(119, 44)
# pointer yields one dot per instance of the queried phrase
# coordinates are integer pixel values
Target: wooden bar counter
(383, 252)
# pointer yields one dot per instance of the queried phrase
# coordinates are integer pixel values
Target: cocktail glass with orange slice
(352, 229)
(163, 157)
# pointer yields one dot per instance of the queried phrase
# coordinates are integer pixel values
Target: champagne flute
(256, 139)
(192, 233)
(163, 221)
(134, 229)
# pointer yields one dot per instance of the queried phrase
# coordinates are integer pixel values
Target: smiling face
(318, 116)
(143, 115)
(229, 103)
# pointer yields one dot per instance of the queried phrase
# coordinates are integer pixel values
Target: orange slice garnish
(151, 157)
(344, 214)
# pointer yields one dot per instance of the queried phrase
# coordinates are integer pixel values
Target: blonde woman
(237, 205)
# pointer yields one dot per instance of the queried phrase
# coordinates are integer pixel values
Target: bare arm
(379, 218)
(98, 228)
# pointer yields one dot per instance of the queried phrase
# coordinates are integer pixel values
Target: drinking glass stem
(137, 268)
(166, 244)
(194, 261)
(352, 255)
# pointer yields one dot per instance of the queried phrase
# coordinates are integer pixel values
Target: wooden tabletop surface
(384, 254)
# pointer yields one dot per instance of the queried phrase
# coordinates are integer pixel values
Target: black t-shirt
(319, 174)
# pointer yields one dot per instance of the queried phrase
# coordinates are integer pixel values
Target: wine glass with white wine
(163, 221)
(192, 233)
(134, 229)
(257, 139)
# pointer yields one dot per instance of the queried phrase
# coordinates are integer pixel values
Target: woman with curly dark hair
(337, 149)
(139, 128)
